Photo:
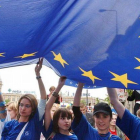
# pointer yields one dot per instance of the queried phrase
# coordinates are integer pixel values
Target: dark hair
(33, 102)
(63, 112)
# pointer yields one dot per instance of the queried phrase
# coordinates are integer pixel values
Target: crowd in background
(32, 120)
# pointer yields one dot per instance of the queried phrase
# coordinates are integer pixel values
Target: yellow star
(122, 78)
(1, 54)
(60, 59)
(26, 55)
(139, 61)
(89, 74)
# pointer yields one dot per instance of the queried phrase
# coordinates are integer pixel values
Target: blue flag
(96, 42)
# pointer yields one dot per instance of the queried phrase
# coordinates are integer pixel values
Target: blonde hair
(12, 106)
(52, 88)
(33, 102)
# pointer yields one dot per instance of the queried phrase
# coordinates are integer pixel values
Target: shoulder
(12, 122)
(114, 137)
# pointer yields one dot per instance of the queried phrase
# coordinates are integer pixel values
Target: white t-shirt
(8, 118)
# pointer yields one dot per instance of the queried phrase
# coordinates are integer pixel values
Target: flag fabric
(96, 42)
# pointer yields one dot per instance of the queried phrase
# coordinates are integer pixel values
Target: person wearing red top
(114, 129)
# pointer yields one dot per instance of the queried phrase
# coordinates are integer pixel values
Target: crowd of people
(33, 120)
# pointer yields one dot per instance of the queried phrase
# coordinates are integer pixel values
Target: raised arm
(77, 97)
(40, 83)
(42, 102)
(3, 112)
(51, 102)
(115, 102)
(76, 104)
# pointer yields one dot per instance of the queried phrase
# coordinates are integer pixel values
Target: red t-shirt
(113, 132)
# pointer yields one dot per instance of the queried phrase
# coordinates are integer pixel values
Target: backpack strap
(51, 136)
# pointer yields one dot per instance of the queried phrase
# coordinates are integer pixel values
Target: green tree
(97, 100)
(107, 100)
(129, 91)
(83, 102)
(7, 101)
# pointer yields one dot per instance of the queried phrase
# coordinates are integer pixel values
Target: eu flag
(96, 42)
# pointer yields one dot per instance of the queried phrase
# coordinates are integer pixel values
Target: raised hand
(62, 80)
(38, 67)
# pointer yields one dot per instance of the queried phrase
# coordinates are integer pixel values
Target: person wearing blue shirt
(102, 115)
(59, 127)
(127, 122)
(29, 121)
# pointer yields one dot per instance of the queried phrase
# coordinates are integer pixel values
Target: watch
(38, 77)
(55, 94)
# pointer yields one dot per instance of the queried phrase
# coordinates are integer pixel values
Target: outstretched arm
(42, 102)
(115, 102)
(77, 97)
(51, 101)
(76, 105)
(40, 83)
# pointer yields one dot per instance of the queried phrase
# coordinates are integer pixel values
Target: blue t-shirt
(31, 132)
(57, 136)
(130, 125)
(84, 131)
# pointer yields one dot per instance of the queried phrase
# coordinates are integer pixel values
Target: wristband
(3, 111)
(2, 104)
(55, 94)
(2, 120)
(38, 77)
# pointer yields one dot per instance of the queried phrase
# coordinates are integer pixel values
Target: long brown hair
(33, 102)
(63, 112)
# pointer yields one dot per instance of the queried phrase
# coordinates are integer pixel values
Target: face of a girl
(64, 123)
(25, 108)
(12, 113)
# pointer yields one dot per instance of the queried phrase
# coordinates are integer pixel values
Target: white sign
(121, 94)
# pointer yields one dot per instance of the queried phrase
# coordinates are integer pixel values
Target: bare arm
(40, 83)
(115, 102)
(77, 97)
(51, 102)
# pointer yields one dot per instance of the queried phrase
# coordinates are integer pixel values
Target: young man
(102, 115)
(127, 122)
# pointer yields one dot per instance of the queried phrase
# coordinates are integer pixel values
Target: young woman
(12, 110)
(102, 115)
(114, 129)
(30, 117)
(62, 118)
